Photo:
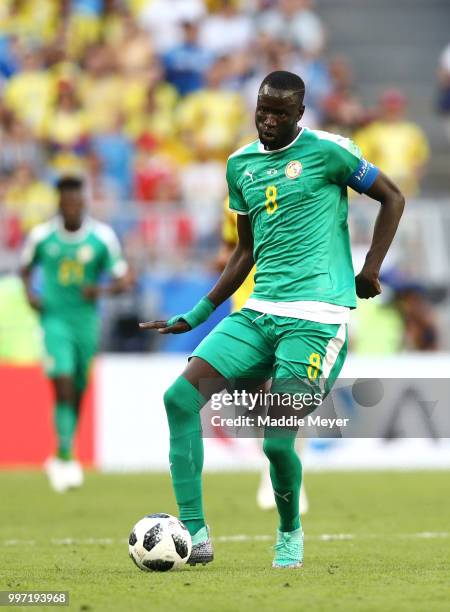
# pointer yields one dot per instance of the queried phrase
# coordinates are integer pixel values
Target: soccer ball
(159, 542)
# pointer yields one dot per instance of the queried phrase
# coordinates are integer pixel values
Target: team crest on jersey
(293, 169)
(85, 253)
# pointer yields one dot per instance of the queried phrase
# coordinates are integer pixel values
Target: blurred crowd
(147, 98)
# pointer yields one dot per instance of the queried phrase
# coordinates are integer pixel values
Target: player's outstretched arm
(234, 274)
(32, 298)
(392, 204)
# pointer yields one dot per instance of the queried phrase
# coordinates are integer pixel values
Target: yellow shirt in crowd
(400, 149)
(214, 117)
(30, 95)
(33, 203)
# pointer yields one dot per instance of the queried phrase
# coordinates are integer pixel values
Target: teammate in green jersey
(73, 251)
(289, 189)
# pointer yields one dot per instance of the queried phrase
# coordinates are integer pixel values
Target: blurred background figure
(342, 110)
(443, 101)
(186, 63)
(163, 20)
(296, 22)
(29, 199)
(395, 144)
(228, 30)
(419, 318)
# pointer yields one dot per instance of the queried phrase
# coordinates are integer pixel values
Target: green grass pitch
(374, 541)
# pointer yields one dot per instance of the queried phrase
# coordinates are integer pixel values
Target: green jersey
(296, 200)
(69, 261)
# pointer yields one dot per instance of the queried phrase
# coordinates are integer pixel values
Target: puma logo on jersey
(250, 174)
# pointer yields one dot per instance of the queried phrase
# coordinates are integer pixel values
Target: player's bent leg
(236, 348)
(183, 402)
(286, 475)
(309, 357)
(265, 497)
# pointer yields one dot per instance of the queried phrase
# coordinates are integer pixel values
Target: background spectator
(186, 64)
(163, 20)
(444, 87)
(396, 145)
(294, 21)
(341, 110)
(226, 31)
(30, 200)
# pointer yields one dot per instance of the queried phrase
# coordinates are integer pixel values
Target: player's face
(276, 117)
(71, 207)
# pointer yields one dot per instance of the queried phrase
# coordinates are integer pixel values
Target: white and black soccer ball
(159, 542)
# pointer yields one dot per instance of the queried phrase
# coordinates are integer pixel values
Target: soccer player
(289, 189)
(73, 251)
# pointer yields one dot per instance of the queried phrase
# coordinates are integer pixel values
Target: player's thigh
(311, 352)
(60, 354)
(238, 350)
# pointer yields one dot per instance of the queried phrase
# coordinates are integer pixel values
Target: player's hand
(91, 292)
(181, 323)
(180, 327)
(367, 284)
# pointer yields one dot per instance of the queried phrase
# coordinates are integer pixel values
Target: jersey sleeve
(114, 262)
(345, 165)
(236, 200)
(29, 255)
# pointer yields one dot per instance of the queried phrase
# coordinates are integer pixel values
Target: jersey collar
(261, 148)
(77, 236)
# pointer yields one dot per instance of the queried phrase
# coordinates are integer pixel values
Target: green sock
(194, 525)
(286, 476)
(66, 423)
(183, 404)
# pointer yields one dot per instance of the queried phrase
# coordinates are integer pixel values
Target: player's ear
(301, 110)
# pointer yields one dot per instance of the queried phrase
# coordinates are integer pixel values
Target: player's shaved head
(283, 84)
(279, 108)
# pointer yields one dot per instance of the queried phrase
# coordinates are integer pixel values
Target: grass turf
(385, 566)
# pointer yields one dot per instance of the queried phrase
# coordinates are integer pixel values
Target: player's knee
(183, 403)
(176, 400)
(171, 399)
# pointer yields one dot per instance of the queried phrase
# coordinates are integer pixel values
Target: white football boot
(75, 477)
(57, 472)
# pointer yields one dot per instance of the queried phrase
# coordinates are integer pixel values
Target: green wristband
(198, 315)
